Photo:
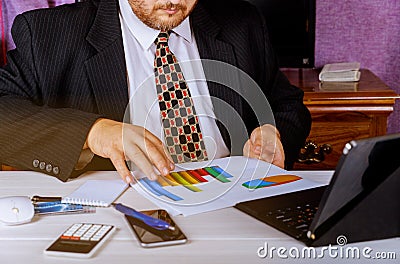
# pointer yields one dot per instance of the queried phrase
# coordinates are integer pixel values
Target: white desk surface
(223, 236)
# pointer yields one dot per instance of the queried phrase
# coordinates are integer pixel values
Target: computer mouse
(16, 210)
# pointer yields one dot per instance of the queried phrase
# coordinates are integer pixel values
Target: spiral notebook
(96, 193)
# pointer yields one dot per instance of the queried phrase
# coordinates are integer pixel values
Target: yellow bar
(162, 181)
(185, 184)
(188, 177)
(171, 180)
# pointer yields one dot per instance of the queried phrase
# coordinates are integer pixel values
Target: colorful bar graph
(270, 181)
(187, 179)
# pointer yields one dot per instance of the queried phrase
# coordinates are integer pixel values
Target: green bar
(216, 175)
(184, 183)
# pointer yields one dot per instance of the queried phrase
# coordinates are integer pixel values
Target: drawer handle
(312, 153)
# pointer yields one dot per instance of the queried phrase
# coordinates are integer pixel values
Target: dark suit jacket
(69, 69)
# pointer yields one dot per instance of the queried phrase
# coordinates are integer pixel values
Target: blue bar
(221, 171)
(148, 187)
(158, 188)
(258, 183)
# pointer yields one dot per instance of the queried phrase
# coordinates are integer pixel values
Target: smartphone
(151, 237)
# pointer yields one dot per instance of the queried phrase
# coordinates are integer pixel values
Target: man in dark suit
(64, 90)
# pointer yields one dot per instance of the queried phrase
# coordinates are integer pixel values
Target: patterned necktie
(181, 125)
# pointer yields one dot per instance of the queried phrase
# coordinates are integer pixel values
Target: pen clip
(38, 199)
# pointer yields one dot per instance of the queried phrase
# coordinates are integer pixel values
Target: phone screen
(151, 237)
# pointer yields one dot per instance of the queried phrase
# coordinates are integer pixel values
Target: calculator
(80, 240)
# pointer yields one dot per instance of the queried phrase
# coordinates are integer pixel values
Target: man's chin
(169, 23)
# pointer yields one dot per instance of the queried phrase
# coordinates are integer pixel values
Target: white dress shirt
(139, 47)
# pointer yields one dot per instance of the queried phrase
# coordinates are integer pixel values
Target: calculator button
(96, 237)
(103, 230)
(99, 234)
(92, 232)
(81, 240)
(76, 226)
(85, 227)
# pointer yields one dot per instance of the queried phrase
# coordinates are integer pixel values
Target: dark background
(291, 24)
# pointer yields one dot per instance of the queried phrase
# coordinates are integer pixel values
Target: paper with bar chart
(205, 186)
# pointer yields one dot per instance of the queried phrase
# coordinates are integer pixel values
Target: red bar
(202, 172)
(196, 175)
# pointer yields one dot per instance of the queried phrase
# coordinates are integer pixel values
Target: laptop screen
(364, 164)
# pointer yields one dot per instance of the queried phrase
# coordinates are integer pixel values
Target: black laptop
(361, 202)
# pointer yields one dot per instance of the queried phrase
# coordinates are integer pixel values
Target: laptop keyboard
(293, 220)
(291, 213)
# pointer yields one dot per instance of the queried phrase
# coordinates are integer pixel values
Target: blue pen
(148, 220)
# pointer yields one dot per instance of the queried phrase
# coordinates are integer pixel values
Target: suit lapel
(211, 46)
(206, 33)
(106, 70)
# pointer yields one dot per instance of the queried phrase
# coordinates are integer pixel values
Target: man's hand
(265, 144)
(120, 142)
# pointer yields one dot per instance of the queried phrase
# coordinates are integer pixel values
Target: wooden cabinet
(342, 111)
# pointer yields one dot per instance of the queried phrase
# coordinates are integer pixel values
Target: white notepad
(340, 72)
(97, 193)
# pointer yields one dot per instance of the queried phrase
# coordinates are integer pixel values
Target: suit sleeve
(34, 136)
(292, 118)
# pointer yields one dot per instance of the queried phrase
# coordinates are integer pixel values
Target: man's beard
(150, 18)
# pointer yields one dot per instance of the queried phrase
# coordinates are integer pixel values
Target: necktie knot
(162, 38)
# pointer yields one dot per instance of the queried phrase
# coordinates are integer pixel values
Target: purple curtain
(365, 31)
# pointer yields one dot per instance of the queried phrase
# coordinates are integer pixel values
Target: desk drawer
(336, 129)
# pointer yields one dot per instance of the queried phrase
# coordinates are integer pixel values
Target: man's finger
(155, 154)
(136, 155)
(119, 163)
(157, 157)
(255, 135)
(156, 142)
(248, 150)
